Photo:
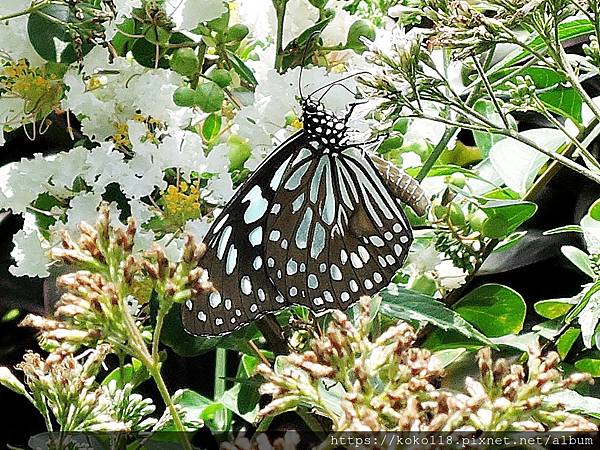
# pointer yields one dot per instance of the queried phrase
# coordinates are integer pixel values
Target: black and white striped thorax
(314, 225)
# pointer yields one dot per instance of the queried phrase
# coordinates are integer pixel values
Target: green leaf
(554, 308)
(191, 406)
(494, 309)
(48, 32)
(120, 42)
(144, 53)
(564, 229)
(211, 127)
(579, 258)
(566, 30)
(575, 402)
(589, 315)
(449, 356)
(243, 400)
(590, 365)
(594, 211)
(242, 69)
(509, 242)
(404, 304)
(566, 341)
(519, 341)
(209, 96)
(515, 213)
(134, 373)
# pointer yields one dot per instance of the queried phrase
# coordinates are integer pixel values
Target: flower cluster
(68, 388)
(385, 383)
(103, 300)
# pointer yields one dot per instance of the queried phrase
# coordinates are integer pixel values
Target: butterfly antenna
(333, 83)
(304, 54)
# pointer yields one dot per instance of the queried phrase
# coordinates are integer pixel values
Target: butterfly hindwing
(235, 256)
(339, 233)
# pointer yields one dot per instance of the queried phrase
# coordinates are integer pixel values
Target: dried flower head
(384, 383)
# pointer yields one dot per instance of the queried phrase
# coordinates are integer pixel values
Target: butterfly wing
(339, 233)
(235, 253)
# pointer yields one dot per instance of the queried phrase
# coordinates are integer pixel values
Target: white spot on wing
(214, 299)
(246, 285)
(231, 260)
(336, 273)
(201, 316)
(302, 231)
(257, 263)
(318, 243)
(255, 236)
(257, 207)
(223, 242)
(313, 281)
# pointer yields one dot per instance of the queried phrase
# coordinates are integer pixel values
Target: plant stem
(220, 372)
(436, 152)
(160, 320)
(280, 7)
(29, 10)
(164, 393)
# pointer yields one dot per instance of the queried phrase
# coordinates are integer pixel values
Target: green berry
(184, 96)
(236, 33)
(221, 76)
(477, 220)
(185, 62)
(457, 179)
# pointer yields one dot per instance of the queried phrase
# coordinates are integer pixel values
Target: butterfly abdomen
(402, 185)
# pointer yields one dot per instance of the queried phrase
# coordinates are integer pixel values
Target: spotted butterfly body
(314, 225)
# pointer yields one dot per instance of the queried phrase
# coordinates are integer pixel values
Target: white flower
(30, 251)
(198, 228)
(449, 276)
(423, 260)
(187, 14)
(83, 208)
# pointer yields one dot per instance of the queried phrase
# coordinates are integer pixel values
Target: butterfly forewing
(338, 233)
(235, 256)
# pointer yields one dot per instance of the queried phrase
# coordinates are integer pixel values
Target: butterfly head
(322, 125)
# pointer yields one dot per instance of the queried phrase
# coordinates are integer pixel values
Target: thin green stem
(436, 152)
(160, 320)
(220, 372)
(490, 91)
(280, 7)
(164, 393)
(29, 10)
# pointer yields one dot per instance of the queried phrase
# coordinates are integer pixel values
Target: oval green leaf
(494, 309)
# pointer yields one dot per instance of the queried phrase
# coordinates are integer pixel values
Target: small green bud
(496, 227)
(239, 152)
(185, 62)
(477, 220)
(221, 76)
(358, 30)
(236, 33)
(318, 3)
(209, 96)
(184, 96)
(457, 179)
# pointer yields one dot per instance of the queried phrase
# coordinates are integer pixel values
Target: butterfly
(314, 225)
